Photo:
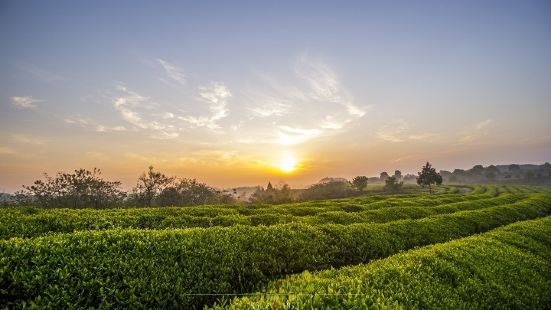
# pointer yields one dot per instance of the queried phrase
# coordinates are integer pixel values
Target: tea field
(488, 247)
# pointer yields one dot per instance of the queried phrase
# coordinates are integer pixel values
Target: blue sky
(225, 90)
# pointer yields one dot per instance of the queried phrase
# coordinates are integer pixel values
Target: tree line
(84, 188)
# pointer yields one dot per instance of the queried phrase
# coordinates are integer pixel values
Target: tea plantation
(487, 248)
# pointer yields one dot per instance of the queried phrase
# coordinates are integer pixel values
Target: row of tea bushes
(175, 268)
(19, 223)
(508, 268)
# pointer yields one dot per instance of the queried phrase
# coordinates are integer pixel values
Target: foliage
(428, 176)
(187, 192)
(272, 195)
(130, 268)
(83, 188)
(31, 222)
(150, 184)
(328, 190)
(392, 185)
(504, 269)
(360, 182)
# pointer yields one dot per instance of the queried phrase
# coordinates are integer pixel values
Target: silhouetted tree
(328, 190)
(398, 175)
(150, 184)
(360, 182)
(83, 188)
(384, 175)
(272, 194)
(428, 176)
(392, 185)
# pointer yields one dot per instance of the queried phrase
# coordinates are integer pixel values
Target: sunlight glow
(288, 163)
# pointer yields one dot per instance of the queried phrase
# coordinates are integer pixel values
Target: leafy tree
(490, 175)
(272, 195)
(328, 190)
(149, 185)
(392, 185)
(360, 182)
(83, 188)
(428, 176)
(529, 175)
(398, 175)
(187, 192)
(384, 175)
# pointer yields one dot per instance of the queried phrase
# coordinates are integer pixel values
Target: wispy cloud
(394, 132)
(93, 125)
(317, 93)
(216, 96)
(324, 84)
(475, 132)
(146, 159)
(102, 128)
(98, 156)
(42, 74)
(484, 124)
(25, 102)
(172, 71)
(400, 131)
(291, 135)
(27, 140)
(5, 150)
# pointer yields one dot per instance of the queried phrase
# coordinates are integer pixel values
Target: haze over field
(241, 93)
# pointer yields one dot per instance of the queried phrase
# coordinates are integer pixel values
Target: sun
(288, 163)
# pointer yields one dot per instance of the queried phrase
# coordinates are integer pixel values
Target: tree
(392, 185)
(328, 190)
(272, 195)
(188, 192)
(360, 182)
(83, 188)
(428, 176)
(490, 175)
(398, 175)
(384, 175)
(150, 184)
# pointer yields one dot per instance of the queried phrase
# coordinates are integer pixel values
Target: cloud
(147, 159)
(325, 85)
(317, 104)
(42, 74)
(173, 72)
(25, 102)
(426, 137)
(98, 156)
(93, 125)
(27, 140)
(102, 128)
(290, 136)
(216, 96)
(399, 131)
(484, 124)
(393, 132)
(475, 132)
(125, 103)
(5, 150)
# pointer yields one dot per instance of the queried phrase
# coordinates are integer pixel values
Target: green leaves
(129, 267)
(507, 268)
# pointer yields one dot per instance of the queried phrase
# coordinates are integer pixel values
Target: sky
(245, 92)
